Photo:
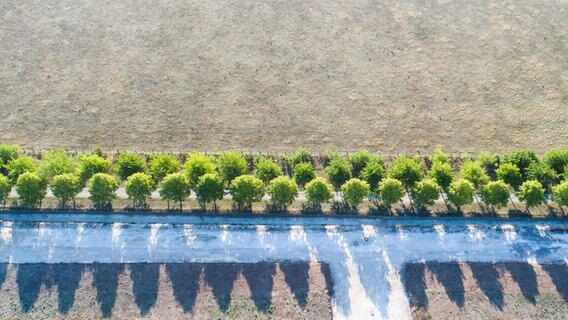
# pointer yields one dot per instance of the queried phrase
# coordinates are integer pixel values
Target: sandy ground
(273, 75)
(487, 290)
(366, 257)
(165, 291)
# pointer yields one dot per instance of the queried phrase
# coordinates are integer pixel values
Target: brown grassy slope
(272, 75)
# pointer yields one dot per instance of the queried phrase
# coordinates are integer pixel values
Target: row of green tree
(360, 175)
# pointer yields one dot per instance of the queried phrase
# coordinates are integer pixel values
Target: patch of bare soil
(401, 75)
(166, 291)
(487, 291)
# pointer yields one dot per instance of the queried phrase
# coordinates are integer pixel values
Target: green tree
(31, 189)
(443, 174)
(439, 157)
(267, 169)
(557, 160)
(391, 191)
(373, 173)
(405, 170)
(196, 165)
(102, 188)
(283, 191)
(338, 172)
(55, 163)
(232, 165)
(510, 174)
(139, 187)
(541, 172)
(487, 161)
(20, 165)
(355, 191)
(128, 164)
(175, 187)
(5, 188)
(245, 190)
(474, 173)
(90, 165)
(318, 191)
(209, 189)
(495, 194)
(531, 193)
(460, 193)
(359, 160)
(7, 154)
(65, 187)
(302, 155)
(425, 192)
(522, 159)
(304, 173)
(162, 165)
(560, 194)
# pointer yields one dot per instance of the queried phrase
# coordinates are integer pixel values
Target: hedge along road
(365, 255)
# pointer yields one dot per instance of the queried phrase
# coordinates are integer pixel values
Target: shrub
(91, 165)
(232, 165)
(359, 160)
(522, 159)
(557, 160)
(405, 170)
(128, 164)
(5, 188)
(55, 163)
(541, 172)
(318, 191)
(355, 191)
(474, 173)
(531, 193)
(442, 173)
(373, 173)
(245, 190)
(139, 187)
(304, 173)
(487, 161)
(266, 170)
(162, 165)
(460, 193)
(282, 191)
(338, 172)
(439, 157)
(302, 155)
(560, 194)
(391, 191)
(197, 165)
(495, 193)
(425, 192)
(7, 154)
(102, 188)
(175, 187)
(31, 189)
(510, 174)
(65, 187)
(19, 166)
(209, 188)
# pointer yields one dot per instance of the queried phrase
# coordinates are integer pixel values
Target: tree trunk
(410, 199)
(181, 206)
(511, 198)
(478, 203)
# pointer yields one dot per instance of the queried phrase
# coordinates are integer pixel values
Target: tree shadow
(67, 277)
(145, 278)
(515, 213)
(412, 277)
(558, 273)
(326, 271)
(185, 283)
(297, 278)
(221, 277)
(341, 208)
(525, 276)
(105, 280)
(29, 279)
(3, 272)
(260, 278)
(311, 209)
(450, 276)
(487, 277)
(379, 210)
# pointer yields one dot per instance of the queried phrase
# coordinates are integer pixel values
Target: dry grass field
(273, 75)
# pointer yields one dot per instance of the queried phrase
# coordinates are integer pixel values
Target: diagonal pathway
(365, 255)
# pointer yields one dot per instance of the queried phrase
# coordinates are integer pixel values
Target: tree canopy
(318, 191)
(245, 190)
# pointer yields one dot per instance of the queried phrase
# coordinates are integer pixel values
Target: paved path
(365, 255)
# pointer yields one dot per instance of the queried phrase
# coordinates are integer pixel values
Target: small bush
(338, 172)
(425, 192)
(560, 194)
(495, 194)
(5, 188)
(442, 173)
(391, 191)
(531, 193)
(128, 164)
(302, 155)
(355, 191)
(7, 154)
(510, 174)
(245, 190)
(139, 187)
(474, 173)
(55, 163)
(318, 191)
(266, 170)
(31, 189)
(162, 165)
(102, 188)
(232, 165)
(283, 191)
(197, 165)
(304, 173)
(373, 173)
(359, 160)
(542, 173)
(91, 165)
(209, 188)
(522, 159)
(460, 193)
(557, 160)
(19, 166)
(439, 157)
(405, 170)
(65, 187)
(175, 187)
